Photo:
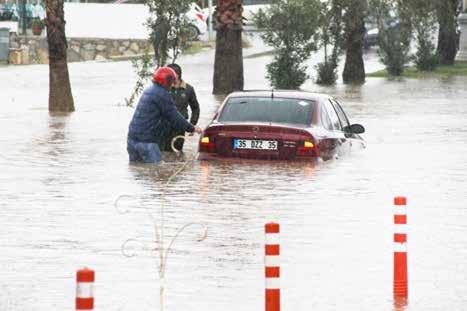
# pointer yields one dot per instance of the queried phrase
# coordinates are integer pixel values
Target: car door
(345, 145)
(325, 141)
(352, 139)
(335, 140)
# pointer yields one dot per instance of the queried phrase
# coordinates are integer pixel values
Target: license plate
(255, 144)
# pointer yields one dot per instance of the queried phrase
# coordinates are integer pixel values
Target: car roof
(281, 94)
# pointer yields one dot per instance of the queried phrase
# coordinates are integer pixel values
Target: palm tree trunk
(228, 63)
(354, 69)
(60, 97)
(447, 34)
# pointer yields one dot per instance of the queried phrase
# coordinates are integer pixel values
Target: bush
(426, 59)
(37, 22)
(168, 28)
(286, 71)
(393, 50)
(424, 21)
(291, 27)
(331, 26)
(394, 35)
(326, 73)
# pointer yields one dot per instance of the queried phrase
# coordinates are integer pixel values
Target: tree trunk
(60, 97)
(447, 34)
(160, 42)
(228, 63)
(354, 69)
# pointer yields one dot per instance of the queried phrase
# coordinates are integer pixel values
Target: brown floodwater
(60, 178)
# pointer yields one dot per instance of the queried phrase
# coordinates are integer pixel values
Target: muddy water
(61, 175)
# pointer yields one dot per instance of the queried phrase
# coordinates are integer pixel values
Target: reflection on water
(400, 304)
(60, 177)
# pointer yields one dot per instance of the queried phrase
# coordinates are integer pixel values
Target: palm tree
(60, 97)
(354, 69)
(228, 64)
(447, 11)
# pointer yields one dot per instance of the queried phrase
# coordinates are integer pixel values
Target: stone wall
(34, 49)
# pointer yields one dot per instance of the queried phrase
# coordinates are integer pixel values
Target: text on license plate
(255, 144)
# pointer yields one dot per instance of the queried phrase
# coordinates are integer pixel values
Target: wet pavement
(61, 175)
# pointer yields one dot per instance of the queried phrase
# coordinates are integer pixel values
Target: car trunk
(260, 141)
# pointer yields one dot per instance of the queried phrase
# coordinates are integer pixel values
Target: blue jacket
(154, 115)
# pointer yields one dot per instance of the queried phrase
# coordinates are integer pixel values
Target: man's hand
(198, 130)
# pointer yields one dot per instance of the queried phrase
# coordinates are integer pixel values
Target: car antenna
(272, 98)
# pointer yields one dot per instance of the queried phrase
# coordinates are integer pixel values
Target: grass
(442, 71)
(198, 46)
(193, 48)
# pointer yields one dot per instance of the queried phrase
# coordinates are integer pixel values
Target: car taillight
(307, 149)
(206, 145)
(200, 16)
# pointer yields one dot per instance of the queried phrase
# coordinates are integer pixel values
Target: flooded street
(60, 177)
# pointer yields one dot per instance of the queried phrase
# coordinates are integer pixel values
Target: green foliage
(331, 27)
(394, 46)
(291, 27)
(37, 22)
(441, 72)
(410, 18)
(394, 34)
(144, 69)
(326, 73)
(424, 22)
(168, 26)
(426, 58)
(168, 36)
(286, 71)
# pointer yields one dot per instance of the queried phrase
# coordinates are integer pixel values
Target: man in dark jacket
(184, 95)
(154, 113)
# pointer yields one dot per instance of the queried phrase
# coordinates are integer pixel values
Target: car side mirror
(355, 129)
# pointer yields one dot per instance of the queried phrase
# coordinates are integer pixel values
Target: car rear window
(267, 109)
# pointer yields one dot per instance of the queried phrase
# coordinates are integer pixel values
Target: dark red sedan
(279, 125)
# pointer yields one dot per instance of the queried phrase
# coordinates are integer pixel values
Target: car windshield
(267, 109)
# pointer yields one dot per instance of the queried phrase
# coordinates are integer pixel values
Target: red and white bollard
(272, 267)
(85, 289)
(400, 248)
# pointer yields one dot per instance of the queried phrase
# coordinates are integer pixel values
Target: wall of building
(95, 31)
(34, 49)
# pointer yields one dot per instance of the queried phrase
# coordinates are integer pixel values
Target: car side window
(336, 124)
(325, 120)
(341, 114)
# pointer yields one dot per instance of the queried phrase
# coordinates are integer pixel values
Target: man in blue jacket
(154, 115)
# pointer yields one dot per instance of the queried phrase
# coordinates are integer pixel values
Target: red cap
(164, 76)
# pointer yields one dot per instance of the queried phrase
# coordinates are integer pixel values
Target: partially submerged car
(279, 125)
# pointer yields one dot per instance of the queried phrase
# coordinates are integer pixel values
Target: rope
(172, 143)
(163, 254)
